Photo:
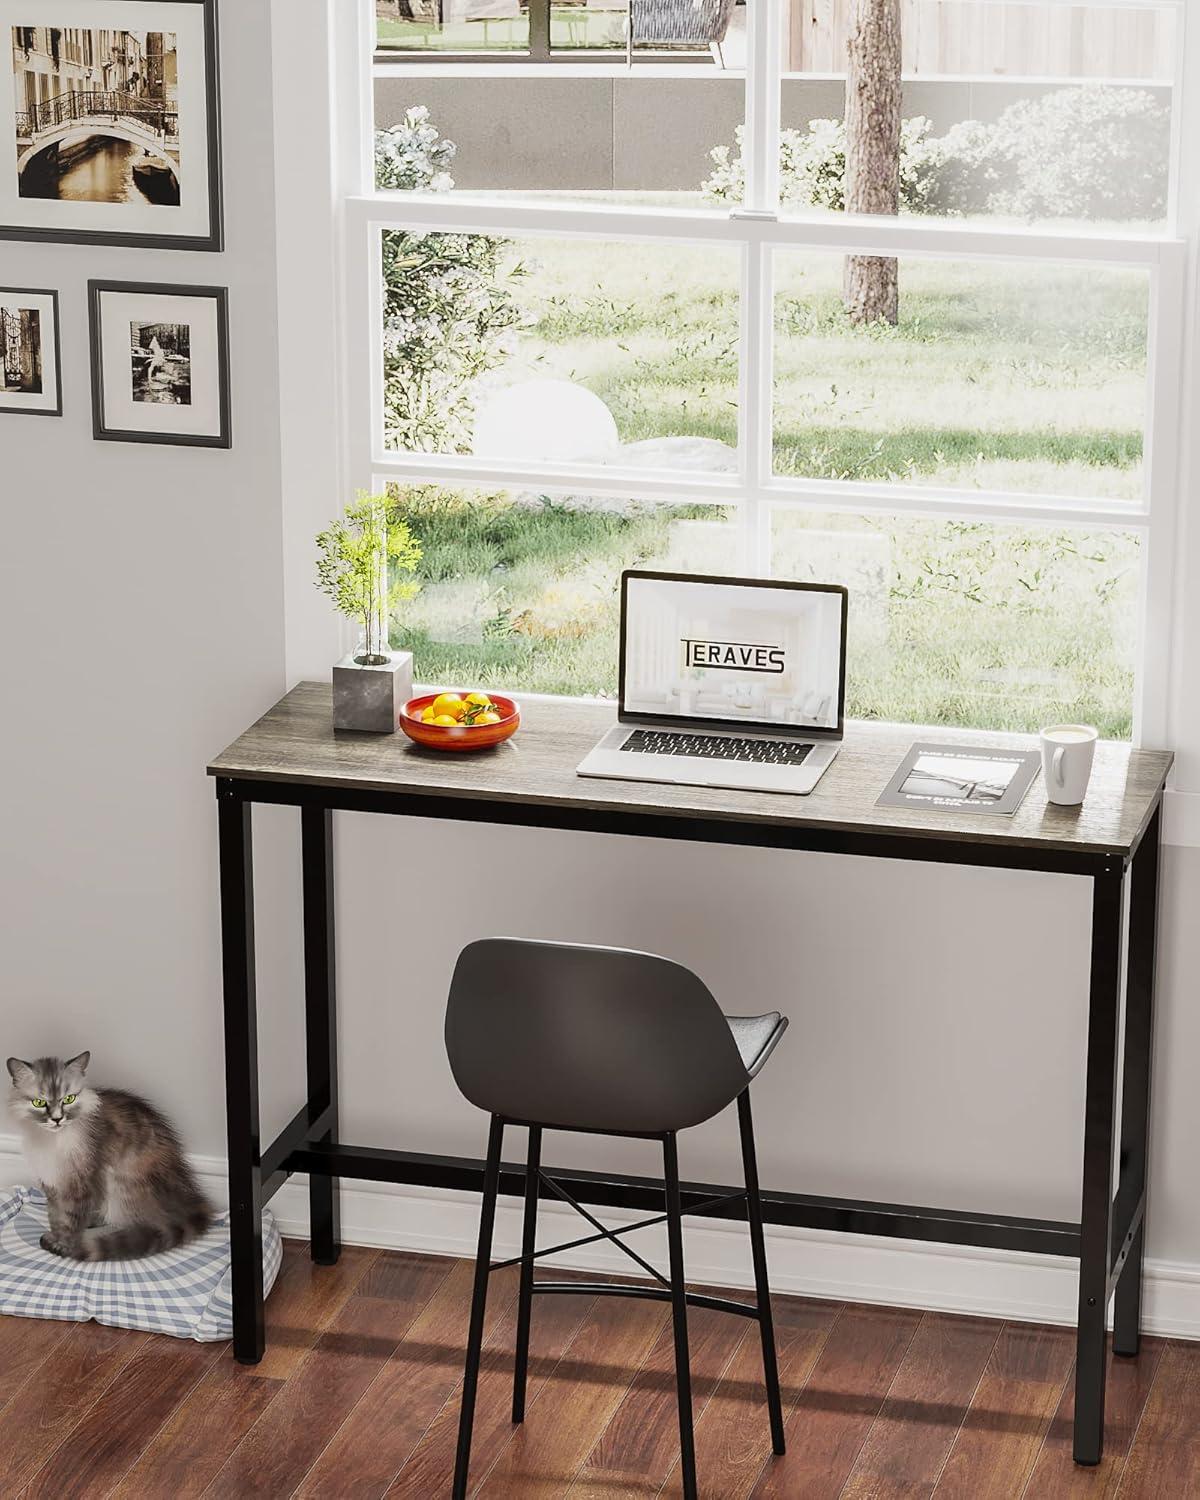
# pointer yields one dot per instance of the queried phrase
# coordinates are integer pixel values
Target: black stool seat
(604, 1040)
(756, 1038)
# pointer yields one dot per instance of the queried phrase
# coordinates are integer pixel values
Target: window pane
(562, 350)
(976, 625)
(600, 132)
(452, 25)
(589, 25)
(686, 29)
(523, 590)
(1000, 376)
(1012, 111)
(701, 30)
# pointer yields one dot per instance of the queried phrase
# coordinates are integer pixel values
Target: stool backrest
(582, 1038)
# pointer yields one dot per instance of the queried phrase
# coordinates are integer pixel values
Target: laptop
(727, 682)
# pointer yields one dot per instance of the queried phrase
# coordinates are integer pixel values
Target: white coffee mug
(1067, 754)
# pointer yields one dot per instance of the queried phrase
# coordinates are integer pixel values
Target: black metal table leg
(683, 1370)
(533, 1165)
(320, 1013)
(762, 1282)
(483, 1257)
(1135, 1094)
(1099, 1129)
(241, 1072)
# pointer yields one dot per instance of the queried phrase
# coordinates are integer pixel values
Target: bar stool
(559, 1036)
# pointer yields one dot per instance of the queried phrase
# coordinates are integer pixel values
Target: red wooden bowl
(459, 736)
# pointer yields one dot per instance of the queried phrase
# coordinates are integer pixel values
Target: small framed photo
(160, 363)
(109, 122)
(30, 372)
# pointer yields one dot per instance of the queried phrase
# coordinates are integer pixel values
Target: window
(573, 352)
(547, 29)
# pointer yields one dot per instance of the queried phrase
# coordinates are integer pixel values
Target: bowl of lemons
(460, 721)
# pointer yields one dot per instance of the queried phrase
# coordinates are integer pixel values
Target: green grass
(525, 594)
(653, 332)
(1032, 374)
(987, 626)
(998, 376)
(984, 626)
(1027, 378)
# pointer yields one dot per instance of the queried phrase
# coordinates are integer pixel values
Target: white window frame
(757, 230)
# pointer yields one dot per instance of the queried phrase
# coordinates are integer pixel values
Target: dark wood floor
(358, 1396)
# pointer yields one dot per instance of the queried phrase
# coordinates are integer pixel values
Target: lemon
(488, 718)
(448, 720)
(481, 700)
(428, 716)
(449, 705)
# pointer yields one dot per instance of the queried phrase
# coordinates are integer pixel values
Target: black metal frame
(671, 1288)
(1107, 1240)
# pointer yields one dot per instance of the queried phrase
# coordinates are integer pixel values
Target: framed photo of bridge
(111, 113)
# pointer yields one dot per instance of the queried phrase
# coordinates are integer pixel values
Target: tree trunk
(872, 184)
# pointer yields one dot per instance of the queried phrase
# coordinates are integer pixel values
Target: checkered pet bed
(184, 1292)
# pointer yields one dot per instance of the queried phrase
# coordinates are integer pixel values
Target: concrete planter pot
(369, 698)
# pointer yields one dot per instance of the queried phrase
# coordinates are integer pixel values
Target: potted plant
(361, 560)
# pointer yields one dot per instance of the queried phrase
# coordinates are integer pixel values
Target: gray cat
(113, 1168)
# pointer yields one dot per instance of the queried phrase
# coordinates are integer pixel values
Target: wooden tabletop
(295, 743)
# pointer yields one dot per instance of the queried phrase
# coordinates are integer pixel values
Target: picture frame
(117, 135)
(160, 363)
(30, 352)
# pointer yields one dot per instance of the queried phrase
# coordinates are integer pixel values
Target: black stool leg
(683, 1373)
(766, 1322)
(525, 1296)
(483, 1256)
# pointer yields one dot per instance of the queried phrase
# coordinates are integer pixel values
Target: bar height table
(293, 756)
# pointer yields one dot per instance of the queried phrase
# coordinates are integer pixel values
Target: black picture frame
(39, 411)
(214, 240)
(100, 429)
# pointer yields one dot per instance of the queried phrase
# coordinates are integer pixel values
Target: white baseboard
(842, 1267)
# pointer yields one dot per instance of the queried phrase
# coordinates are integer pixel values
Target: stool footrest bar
(650, 1293)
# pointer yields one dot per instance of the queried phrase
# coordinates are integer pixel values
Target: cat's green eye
(38, 1103)
(70, 1098)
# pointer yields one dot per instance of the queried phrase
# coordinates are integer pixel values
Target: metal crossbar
(604, 1233)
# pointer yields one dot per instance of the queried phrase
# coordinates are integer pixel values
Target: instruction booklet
(962, 778)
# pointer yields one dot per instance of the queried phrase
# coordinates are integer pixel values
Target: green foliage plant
(448, 305)
(362, 558)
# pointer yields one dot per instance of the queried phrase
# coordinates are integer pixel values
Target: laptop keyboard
(717, 747)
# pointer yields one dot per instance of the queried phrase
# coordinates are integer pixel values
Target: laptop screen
(727, 651)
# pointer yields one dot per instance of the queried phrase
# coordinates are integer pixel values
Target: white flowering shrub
(812, 165)
(448, 308)
(1093, 152)
(1098, 152)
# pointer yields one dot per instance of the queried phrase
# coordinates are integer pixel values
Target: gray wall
(141, 604)
(617, 131)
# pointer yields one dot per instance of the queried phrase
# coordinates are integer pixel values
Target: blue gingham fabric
(185, 1292)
